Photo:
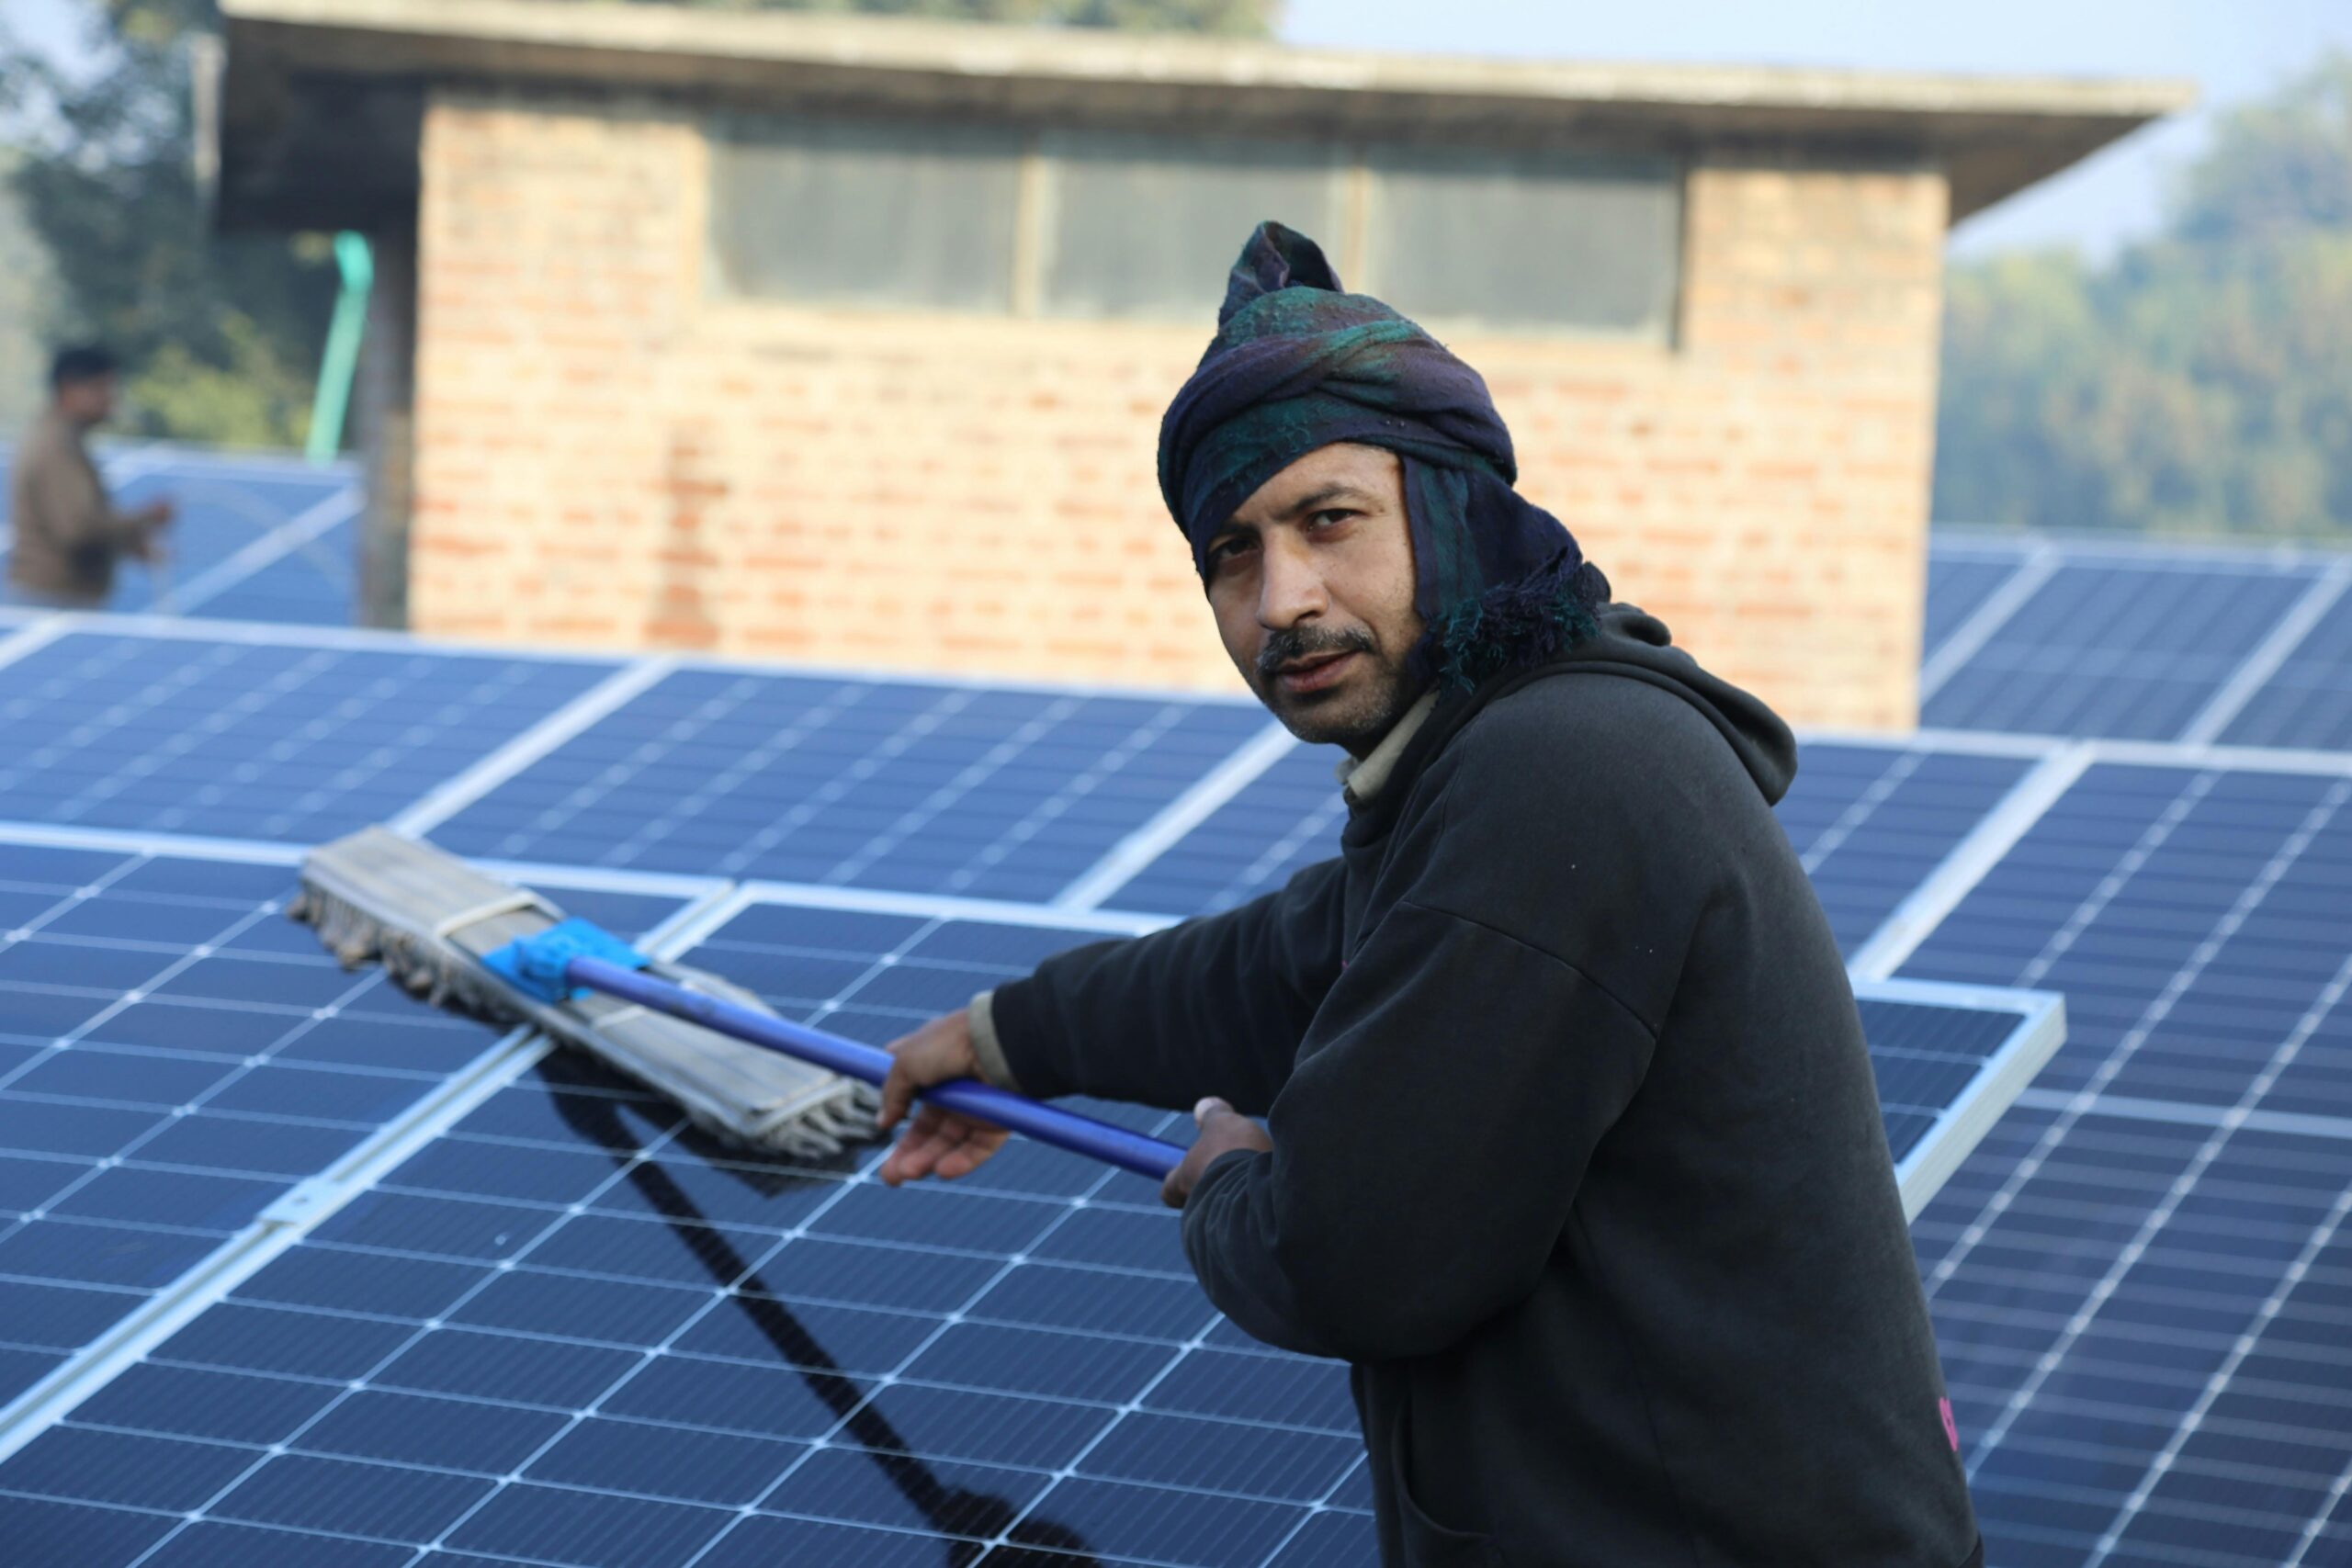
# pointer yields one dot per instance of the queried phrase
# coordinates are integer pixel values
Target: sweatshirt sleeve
(1213, 1006)
(1454, 1087)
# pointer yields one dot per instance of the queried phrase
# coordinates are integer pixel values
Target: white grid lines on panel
(1985, 623)
(284, 540)
(1164, 832)
(1900, 767)
(443, 1092)
(654, 1146)
(2054, 1135)
(454, 794)
(2264, 662)
(279, 737)
(2321, 1235)
(2280, 1059)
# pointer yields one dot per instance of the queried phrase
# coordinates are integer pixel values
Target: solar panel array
(961, 790)
(231, 738)
(572, 1330)
(559, 1327)
(2092, 640)
(1959, 582)
(2307, 702)
(174, 1057)
(2139, 1282)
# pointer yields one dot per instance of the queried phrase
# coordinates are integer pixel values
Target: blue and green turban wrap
(1297, 364)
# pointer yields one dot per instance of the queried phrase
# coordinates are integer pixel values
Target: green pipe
(340, 363)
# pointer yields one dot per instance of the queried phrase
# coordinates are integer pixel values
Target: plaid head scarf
(1298, 365)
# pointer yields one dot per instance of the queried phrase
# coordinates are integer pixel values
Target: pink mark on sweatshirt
(1951, 1428)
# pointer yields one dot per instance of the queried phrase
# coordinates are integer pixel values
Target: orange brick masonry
(606, 455)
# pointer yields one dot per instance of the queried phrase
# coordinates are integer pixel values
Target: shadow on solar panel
(977, 1518)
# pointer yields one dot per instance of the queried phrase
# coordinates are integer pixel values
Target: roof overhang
(320, 93)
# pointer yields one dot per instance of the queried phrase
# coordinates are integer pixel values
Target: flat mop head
(436, 923)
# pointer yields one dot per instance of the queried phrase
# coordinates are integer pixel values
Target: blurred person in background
(68, 533)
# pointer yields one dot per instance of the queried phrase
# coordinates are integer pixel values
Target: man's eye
(1226, 549)
(1331, 517)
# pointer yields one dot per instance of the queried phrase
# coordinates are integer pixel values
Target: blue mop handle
(969, 1097)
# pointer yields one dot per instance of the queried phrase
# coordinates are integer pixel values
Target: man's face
(89, 400)
(1312, 584)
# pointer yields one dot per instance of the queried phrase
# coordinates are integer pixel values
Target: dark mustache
(1309, 642)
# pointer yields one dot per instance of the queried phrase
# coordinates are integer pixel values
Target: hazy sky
(2232, 49)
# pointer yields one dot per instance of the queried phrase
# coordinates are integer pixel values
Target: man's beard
(1353, 718)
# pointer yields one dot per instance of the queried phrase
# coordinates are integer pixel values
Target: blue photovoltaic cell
(220, 513)
(2109, 648)
(310, 586)
(572, 1331)
(2307, 701)
(2139, 1280)
(251, 741)
(1958, 585)
(1924, 1056)
(1869, 822)
(1286, 818)
(174, 1055)
(871, 784)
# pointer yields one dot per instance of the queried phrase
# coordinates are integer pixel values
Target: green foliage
(219, 335)
(28, 289)
(2195, 385)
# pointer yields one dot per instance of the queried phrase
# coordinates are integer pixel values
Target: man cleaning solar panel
(1571, 1143)
(1571, 1147)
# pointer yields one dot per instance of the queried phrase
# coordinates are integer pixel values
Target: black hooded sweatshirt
(1577, 1157)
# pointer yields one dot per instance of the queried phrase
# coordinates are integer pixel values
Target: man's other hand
(936, 1143)
(156, 513)
(1222, 1130)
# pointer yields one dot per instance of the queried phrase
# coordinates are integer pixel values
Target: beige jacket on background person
(68, 533)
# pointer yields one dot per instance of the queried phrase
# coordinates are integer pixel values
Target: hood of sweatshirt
(1636, 647)
(1631, 645)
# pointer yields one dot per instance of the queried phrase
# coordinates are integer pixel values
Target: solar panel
(1949, 1060)
(2138, 1279)
(572, 1330)
(234, 737)
(174, 1057)
(2117, 647)
(2307, 701)
(1869, 822)
(1959, 582)
(1287, 817)
(220, 514)
(881, 784)
(309, 585)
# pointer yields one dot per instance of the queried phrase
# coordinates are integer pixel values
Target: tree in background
(219, 336)
(223, 334)
(26, 291)
(2197, 384)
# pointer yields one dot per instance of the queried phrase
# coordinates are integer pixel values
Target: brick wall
(605, 457)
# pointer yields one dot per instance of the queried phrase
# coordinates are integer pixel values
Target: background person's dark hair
(79, 363)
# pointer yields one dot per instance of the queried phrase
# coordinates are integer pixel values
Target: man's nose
(1290, 587)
